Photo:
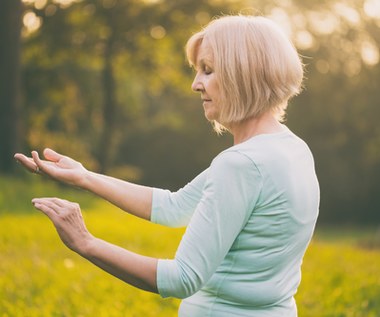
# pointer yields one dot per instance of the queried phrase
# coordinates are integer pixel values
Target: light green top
(249, 217)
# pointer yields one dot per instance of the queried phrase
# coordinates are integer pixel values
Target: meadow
(41, 277)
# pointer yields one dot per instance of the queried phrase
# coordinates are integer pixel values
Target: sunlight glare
(31, 21)
(348, 13)
(280, 16)
(157, 32)
(304, 40)
(151, 1)
(65, 3)
(285, 3)
(299, 20)
(372, 8)
(323, 22)
(370, 53)
(40, 4)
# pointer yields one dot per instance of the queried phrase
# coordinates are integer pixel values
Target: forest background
(106, 82)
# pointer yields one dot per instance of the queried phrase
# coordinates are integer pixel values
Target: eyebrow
(204, 61)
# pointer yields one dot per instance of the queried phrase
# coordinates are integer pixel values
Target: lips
(205, 99)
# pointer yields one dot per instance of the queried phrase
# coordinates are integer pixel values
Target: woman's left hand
(67, 219)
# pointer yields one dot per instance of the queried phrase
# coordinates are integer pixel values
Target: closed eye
(204, 68)
(207, 69)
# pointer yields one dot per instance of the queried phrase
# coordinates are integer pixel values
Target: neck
(265, 124)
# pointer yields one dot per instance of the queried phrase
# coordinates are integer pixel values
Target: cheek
(213, 85)
(215, 92)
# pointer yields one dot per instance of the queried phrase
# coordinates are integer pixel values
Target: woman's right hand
(55, 165)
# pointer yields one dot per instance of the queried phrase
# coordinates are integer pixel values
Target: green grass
(341, 274)
(41, 277)
(16, 193)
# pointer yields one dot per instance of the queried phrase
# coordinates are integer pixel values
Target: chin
(211, 116)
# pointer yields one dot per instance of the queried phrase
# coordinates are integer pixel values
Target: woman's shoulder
(232, 156)
(265, 149)
(234, 162)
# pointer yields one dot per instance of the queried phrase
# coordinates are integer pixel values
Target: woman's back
(262, 268)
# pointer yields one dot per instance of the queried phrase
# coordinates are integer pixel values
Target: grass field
(41, 277)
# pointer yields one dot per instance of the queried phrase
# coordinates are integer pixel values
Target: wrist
(84, 181)
(86, 246)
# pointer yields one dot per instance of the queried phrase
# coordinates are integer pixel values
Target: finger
(59, 202)
(39, 163)
(53, 200)
(21, 158)
(46, 209)
(51, 155)
(27, 162)
(54, 203)
(36, 157)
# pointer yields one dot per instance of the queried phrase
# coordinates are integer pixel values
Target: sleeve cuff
(157, 201)
(166, 269)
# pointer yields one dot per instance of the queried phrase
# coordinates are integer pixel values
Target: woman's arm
(137, 270)
(133, 198)
(175, 209)
(230, 193)
(157, 205)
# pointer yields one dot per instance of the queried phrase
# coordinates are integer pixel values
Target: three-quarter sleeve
(230, 192)
(175, 209)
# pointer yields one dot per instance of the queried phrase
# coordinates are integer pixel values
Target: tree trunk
(109, 110)
(10, 122)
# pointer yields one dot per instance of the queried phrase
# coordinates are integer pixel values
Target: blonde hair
(256, 66)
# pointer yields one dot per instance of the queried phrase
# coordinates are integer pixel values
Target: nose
(197, 85)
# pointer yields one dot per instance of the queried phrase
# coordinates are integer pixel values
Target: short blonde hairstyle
(257, 67)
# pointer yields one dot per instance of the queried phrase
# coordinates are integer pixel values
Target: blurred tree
(10, 99)
(107, 81)
(134, 49)
(337, 113)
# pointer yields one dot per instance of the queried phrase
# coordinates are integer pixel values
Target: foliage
(109, 73)
(43, 278)
(145, 124)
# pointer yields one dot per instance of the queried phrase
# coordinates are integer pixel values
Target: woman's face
(205, 82)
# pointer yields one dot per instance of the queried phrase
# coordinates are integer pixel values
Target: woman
(249, 216)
